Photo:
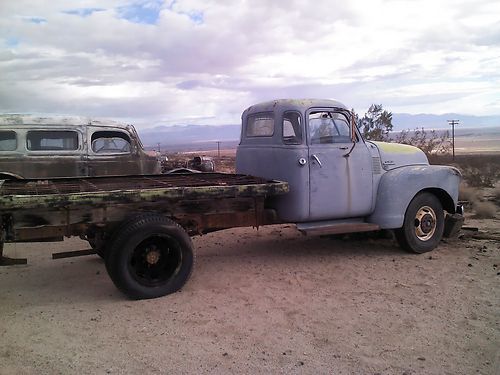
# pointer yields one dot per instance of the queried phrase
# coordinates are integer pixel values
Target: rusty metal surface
(28, 154)
(100, 184)
(106, 191)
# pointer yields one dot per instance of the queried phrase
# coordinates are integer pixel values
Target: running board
(335, 227)
(72, 254)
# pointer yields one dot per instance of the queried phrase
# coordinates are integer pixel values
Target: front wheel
(149, 257)
(423, 224)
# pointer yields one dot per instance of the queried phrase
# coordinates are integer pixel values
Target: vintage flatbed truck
(335, 182)
(140, 225)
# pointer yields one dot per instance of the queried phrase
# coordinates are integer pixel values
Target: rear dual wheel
(150, 256)
(423, 224)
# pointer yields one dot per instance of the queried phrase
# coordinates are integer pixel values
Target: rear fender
(398, 187)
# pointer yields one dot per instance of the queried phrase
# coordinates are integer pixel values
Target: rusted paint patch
(108, 197)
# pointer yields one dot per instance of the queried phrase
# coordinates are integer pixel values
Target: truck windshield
(329, 127)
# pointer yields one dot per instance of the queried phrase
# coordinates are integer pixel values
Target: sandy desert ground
(261, 301)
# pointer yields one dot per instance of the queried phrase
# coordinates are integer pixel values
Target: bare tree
(430, 142)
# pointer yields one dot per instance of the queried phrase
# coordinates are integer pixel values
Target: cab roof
(28, 119)
(282, 105)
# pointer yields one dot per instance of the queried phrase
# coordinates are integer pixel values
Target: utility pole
(159, 151)
(453, 123)
(218, 149)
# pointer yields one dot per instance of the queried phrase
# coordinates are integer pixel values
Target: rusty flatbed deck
(64, 192)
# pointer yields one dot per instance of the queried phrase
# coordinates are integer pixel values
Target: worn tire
(423, 224)
(150, 256)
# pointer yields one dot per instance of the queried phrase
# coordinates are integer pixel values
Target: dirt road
(266, 301)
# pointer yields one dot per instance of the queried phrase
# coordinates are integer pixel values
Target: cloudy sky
(204, 61)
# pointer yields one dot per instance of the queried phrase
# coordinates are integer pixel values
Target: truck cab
(340, 182)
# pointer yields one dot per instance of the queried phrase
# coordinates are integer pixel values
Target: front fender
(398, 187)
(10, 176)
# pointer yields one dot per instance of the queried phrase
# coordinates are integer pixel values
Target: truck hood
(395, 155)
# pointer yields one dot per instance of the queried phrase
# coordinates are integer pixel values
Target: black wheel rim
(155, 260)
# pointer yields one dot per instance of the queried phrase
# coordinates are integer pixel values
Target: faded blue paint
(375, 184)
(281, 162)
(399, 186)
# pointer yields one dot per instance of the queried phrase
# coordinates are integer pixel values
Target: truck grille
(376, 166)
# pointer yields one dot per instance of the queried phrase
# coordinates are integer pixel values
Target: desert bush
(477, 170)
(484, 210)
(430, 142)
(496, 194)
(480, 177)
(467, 193)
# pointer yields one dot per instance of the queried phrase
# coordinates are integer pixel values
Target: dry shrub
(496, 194)
(484, 210)
(467, 193)
(477, 170)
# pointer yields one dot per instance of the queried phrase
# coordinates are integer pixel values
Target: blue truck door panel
(340, 187)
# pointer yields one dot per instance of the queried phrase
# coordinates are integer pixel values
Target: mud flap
(452, 225)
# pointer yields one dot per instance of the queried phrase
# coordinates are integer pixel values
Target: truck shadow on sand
(85, 279)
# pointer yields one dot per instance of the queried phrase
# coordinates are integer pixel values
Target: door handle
(343, 148)
(316, 159)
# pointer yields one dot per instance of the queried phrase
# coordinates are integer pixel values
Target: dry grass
(496, 194)
(467, 193)
(477, 170)
(484, 210)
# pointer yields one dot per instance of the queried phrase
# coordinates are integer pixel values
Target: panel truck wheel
(150, 256)
(423, 224)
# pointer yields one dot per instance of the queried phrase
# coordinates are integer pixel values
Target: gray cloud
(210, 59)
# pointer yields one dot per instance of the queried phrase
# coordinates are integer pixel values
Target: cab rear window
(8, 141)
(42, 140)
(260, 125)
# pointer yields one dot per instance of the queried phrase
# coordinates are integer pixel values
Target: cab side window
(110, 142)
(292, 128)
(8, 141)
(329, 127)
(43, 140)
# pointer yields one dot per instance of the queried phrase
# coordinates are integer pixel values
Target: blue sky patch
(146, 12)
(83, 12)
(196, 17)
(37, 20)
(11, 41)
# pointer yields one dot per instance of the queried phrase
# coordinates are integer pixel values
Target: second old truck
(299, 161)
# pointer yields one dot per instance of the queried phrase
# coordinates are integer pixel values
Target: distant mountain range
(402, 121)
(230, 134)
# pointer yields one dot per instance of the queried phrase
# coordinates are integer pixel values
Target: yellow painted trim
(397, 148)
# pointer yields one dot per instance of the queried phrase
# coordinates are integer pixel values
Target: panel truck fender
(399, 186)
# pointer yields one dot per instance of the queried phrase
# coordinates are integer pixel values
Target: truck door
(340, 185)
